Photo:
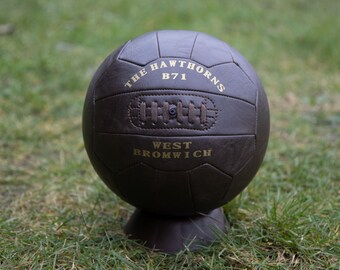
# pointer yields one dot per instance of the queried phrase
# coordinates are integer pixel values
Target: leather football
(176, 122)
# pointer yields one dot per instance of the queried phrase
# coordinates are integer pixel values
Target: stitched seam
(136, 108)
(178, 136)
(173, 57)
(158, 47)
(245, 73)
(206, 127)
(193, 45)
(173, 89)
(136, 116)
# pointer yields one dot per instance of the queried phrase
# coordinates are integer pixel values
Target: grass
(56, 214)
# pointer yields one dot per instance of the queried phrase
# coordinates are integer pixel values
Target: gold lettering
(142, 72)
(207, 152)
(172, 63)
(156, 145)
(221, 87)
(165, 76)
(199, 69)
(176, 154)
(173, 76)
(128, 84)
(176, 145)
(207, 74)
(166, 145)
(161, 146)
(197, 153)
(187, 145)
(146, 153)
(136, 152)
(156, 154)
(163, 65)
(166, 154)
(154, 66)
(214, 80)
(135, 78)
(181, 63)
(191, 65)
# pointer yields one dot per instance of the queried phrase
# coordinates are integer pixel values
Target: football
(176, 122)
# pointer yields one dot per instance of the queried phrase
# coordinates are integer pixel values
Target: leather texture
(176, 122)
(173, 234)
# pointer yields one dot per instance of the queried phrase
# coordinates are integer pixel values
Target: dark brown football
(176, 122)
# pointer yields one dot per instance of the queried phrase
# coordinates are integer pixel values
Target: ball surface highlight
(176, 122)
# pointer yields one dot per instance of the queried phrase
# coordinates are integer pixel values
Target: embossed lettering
(163, 65)
(172, 63)
(221, 87)
(181, 63)
(161, 146)
(169, 64)
(176, 145)
(207, 74)
(154, 66)
(146, 153)
(166, 155)
(197, 153)
(156, 154)
(176, 154)
(142, 72)
(214, 80)
(187, 145)
(128, 84)
(191, 65)
(166, 145)
(136, 152)
(199, 69)
(207, 152)
(156, 145)
(135, 78)
(165, 76)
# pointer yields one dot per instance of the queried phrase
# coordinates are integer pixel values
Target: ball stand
(173, 234)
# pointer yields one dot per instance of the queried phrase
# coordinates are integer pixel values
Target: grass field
(54, 211)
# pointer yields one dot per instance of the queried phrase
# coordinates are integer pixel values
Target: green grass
(54, 211)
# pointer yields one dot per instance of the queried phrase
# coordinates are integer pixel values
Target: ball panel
(262, 122)
(208, 186)
(218, 51)
(141, 50)
(123, 77)
(122, 114)
(244, 65)
(241, 180)
(228, 153)
(165, 192)
(173, 193)
(133, 141)
(167, 111)
(236, 82)
(138, 184)
(88, 128)
(176, 43)
(112, 80)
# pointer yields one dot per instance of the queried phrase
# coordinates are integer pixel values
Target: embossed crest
(172, 112)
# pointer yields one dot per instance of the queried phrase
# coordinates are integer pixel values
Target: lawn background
(54, 211)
